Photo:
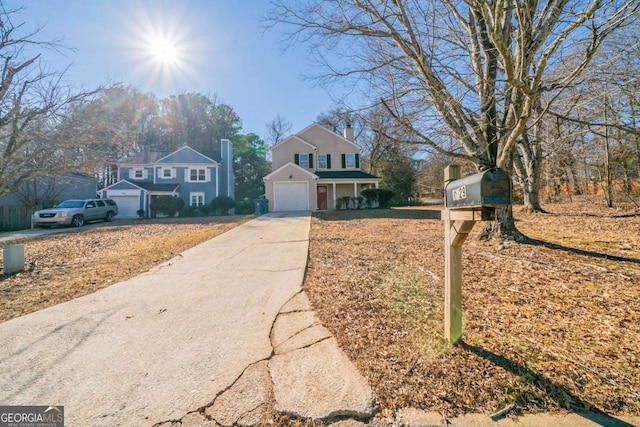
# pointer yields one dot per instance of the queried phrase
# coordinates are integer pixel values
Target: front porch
(341, 191)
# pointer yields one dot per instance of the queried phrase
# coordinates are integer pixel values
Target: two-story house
(314, 168)
(195, 177)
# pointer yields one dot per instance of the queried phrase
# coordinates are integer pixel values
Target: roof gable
(341, 174)
(317, 128)
(290, 165)
(123, 184)
(293, 139)
(184, 155)
(144, 158)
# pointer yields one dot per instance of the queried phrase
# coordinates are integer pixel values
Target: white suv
(76, 213)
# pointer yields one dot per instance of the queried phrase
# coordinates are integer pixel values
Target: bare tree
(277, 130)
(598, 117)
(476, 67)
(33, 101)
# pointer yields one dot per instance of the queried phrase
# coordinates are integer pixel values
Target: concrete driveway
(221, 332)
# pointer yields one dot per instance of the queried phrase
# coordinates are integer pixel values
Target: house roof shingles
(344, 175)
(165, 188)
(151, 157)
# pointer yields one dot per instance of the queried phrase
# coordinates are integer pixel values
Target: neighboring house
(195, 177)
(313, 169)
(47, 191)
(16, 208)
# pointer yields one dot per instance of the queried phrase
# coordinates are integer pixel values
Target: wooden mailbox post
(467, 200)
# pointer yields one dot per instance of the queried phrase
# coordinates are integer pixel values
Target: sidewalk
(222, 331)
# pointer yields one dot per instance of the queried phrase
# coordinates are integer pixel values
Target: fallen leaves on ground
(549, 325)
(64, 266)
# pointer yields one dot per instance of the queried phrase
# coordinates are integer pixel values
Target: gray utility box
(491, 188)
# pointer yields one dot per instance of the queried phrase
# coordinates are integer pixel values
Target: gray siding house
(195, 177)
(16, 208)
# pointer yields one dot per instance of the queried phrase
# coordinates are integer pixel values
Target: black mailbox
(491, 188)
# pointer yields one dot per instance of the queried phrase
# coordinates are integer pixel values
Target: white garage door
(291, 196)
(127, 206)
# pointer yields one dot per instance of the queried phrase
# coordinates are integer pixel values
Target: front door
(322, 197)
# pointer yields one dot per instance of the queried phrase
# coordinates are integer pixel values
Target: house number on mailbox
(459, 193)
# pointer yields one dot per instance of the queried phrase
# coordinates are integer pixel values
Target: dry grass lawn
(550, 325)
(61, 267)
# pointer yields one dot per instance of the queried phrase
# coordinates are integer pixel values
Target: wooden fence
(15, 218)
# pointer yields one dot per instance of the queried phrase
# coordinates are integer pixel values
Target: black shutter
(344, 161)
(296, 159)
(357, 161)
(328, 161)
(310, 161)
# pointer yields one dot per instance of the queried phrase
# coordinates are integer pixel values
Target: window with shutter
(303, 160)
(322, 161)
(351, 161)
(138, 173)
(197, 175)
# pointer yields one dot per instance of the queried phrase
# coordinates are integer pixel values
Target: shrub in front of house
(371, 196)
(245, 206)
(346, 200)
(221, 205)
(167, 205)
(378, 196)
(193, 211)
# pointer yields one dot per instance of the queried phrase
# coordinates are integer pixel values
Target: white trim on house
(183, 148)
(207, 174)
(161, 172)
(290, 164)
(133, 172)
(295, 138)
(198, 195)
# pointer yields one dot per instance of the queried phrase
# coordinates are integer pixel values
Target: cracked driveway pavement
(220, 335)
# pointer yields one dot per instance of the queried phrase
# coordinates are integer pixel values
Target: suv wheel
(109, 217)
(77, 221)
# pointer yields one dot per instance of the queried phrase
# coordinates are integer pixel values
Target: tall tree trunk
(527, 167)
(608, 187)
(504, 226)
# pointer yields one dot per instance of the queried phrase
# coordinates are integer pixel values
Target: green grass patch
(416, 304)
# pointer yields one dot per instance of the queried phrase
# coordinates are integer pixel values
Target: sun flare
(164, 51)
(163, 47)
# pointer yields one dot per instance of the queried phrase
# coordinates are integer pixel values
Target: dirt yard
(550, 325)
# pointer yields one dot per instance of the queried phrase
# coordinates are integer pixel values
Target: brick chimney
(348, 132)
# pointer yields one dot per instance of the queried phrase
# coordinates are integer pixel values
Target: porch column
(334, 195)
(355, 189)
(376, 184)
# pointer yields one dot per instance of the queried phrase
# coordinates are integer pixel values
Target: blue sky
(220, 46)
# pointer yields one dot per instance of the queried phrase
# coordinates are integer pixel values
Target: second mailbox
(491, 188)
